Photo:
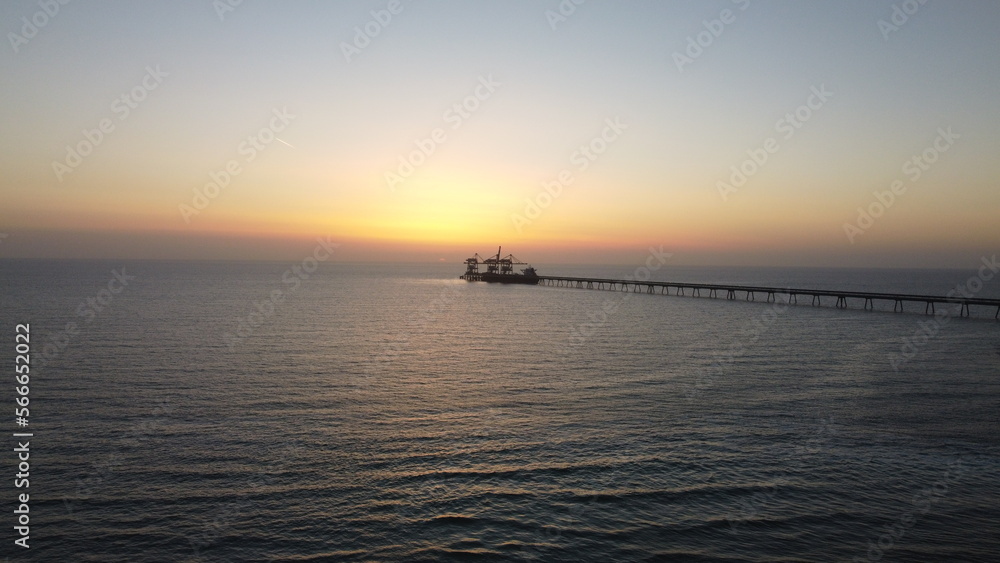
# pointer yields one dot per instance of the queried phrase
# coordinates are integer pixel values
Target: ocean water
(395, 413)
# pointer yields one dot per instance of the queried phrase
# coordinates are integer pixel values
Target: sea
(329, 411)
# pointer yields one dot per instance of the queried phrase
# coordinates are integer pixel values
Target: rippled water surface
(387, 412)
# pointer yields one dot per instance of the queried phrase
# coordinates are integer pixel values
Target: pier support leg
(795, 298)
(680, 290)
(770, 297)
(869, 305)
(712, 294)
(817, 301)
(929, 308)
(897, 307)
(841, 302)
(697, 292)
(731, 295)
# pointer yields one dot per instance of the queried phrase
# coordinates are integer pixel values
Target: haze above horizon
(732, 132)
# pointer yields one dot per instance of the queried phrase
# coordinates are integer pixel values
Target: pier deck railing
(770, 293)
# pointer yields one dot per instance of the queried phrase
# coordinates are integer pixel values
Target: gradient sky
(656, 183)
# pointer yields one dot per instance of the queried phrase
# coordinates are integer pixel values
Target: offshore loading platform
(501, 270)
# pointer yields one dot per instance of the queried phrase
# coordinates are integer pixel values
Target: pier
(839, 299)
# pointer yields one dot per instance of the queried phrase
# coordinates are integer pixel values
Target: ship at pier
(498, 270)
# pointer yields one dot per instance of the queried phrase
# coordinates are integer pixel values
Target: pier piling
(869, 298)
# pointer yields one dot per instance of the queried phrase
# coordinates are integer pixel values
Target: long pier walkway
(770, 293)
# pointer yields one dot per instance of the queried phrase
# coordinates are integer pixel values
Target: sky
(728, 132)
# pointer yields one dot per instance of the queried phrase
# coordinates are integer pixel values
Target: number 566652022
(22, 362)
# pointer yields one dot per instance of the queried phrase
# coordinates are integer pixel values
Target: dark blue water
(386, 413)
